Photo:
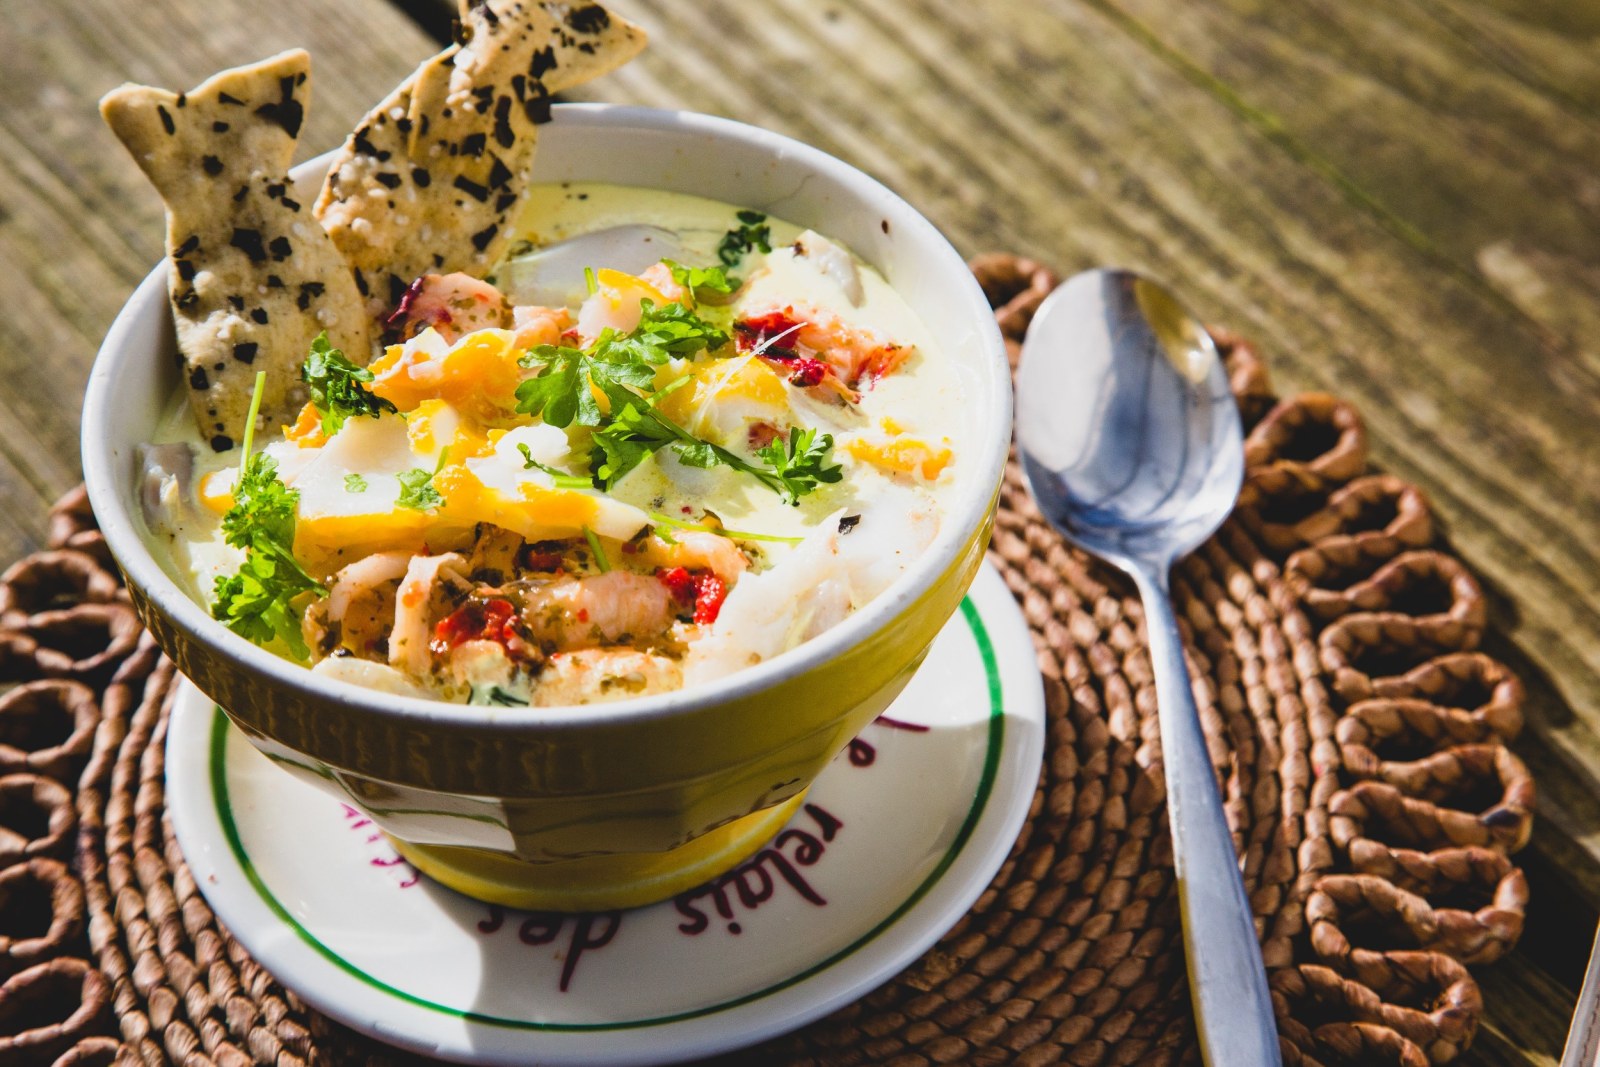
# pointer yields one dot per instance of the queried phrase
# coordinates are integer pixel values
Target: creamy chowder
(575, 482)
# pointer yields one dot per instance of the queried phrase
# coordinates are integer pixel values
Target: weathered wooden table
(1398, 200)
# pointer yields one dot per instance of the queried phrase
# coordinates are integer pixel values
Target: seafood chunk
(362, 599)
(603, 609)
(453, 304)
(431, 585)
(832, 262)
(599, 674)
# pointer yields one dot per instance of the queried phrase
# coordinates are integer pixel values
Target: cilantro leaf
(702, 279)
(257, 601)
(751, 233)
(354, 483)
(338, 387)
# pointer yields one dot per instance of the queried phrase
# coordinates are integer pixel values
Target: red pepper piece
(678, 580)
(809, 371)
(752, 332)
(709, 593)
(476, 620)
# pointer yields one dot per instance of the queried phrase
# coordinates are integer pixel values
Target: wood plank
(79, 225)
(1527, 1023)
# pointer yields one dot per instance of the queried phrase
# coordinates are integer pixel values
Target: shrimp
(361, 599)
(692, 549)
(616, 304)
(453, 304)
(820, 349)
(659, 276)
(536, 325)
(601, 609)
(597, 674)
(431, 584)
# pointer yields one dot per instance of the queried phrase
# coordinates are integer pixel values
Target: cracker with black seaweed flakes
(254, 277)
(430, 180)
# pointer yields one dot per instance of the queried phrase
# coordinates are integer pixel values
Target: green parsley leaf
(338, 387)
(354, 483)
(554, 394)
(257, 602)
(417, 491)
(702, 279)
(416, 487)
(800, 465)
(620, 366)
(638, 430)
(668, 330)
(751, 233)
(263, 507)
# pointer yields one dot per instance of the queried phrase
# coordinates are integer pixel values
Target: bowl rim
(965, 513)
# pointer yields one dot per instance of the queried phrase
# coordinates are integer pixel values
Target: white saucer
(895, 841)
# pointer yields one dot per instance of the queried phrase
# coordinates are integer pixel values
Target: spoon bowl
(553, 276)
(1131, 442)
(1128, 431)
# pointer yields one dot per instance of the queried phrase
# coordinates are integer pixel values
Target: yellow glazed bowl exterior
(609, 805)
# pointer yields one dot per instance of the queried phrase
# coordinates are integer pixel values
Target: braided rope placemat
(1361, 738)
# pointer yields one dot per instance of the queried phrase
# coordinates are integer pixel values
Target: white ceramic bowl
(656, 792)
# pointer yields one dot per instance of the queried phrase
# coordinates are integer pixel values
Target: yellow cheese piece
(743, 388)
(903, 455)
(478, 375)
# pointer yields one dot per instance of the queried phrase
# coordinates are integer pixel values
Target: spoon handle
(1227, 981)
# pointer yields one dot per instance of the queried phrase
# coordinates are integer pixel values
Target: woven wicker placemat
(1361, 738)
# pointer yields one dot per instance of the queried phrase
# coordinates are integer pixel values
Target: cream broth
(727, 468)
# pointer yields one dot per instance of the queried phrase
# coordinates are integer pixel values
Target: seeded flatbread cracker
(429, 180)
(254, 277)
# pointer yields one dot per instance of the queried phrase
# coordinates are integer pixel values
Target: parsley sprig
(338, 387)
(257, 602)
(800, 464)
(753, 232)
(620, 370)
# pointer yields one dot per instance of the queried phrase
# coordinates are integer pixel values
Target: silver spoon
(1131, 442)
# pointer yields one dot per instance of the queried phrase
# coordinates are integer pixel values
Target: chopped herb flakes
(752, 233)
